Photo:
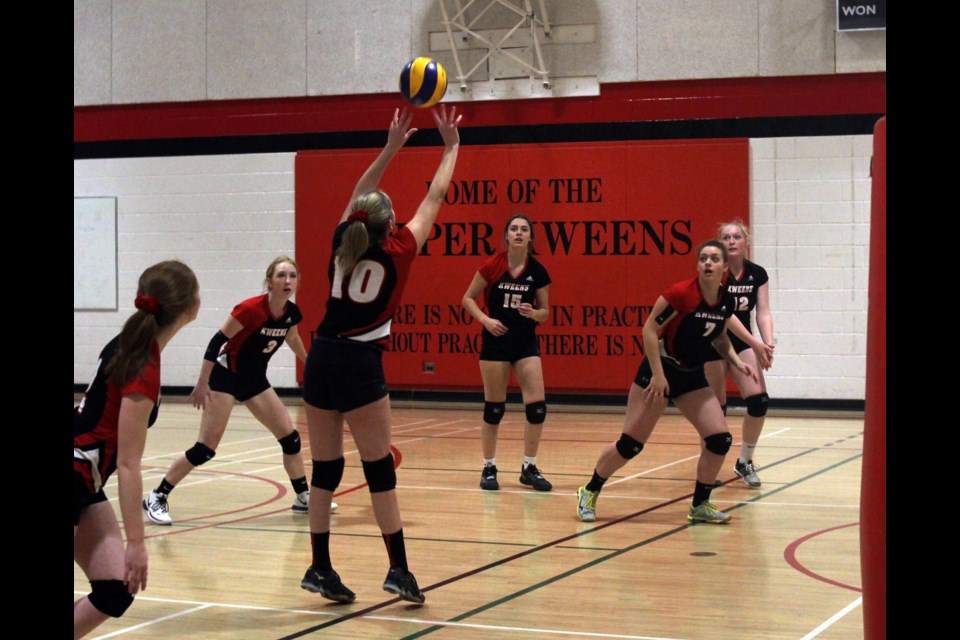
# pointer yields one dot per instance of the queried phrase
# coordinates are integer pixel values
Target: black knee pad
(290, 443)
(380, 474)
(536, 412)
(719, 443)
(110, 597)
(199, 453)
(757, 405)
(493, 412)
(628, 447)
(327, 474)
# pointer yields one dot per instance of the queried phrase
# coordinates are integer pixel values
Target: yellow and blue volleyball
(423, 82)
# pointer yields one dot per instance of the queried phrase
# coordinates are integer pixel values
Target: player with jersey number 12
(343, 377)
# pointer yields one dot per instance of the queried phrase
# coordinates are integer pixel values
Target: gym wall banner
(861, 15)
(615, 223)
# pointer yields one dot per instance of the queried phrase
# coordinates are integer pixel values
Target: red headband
(148, 304)
(360, 215)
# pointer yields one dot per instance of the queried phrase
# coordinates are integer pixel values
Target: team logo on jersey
(708, 315)
(289, 320)
(530, 278)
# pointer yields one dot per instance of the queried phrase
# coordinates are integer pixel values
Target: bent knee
(110, 597)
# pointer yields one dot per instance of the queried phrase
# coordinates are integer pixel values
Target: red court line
(790, 555)
(281, 491)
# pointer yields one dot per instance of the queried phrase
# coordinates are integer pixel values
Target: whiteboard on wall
(95, 254)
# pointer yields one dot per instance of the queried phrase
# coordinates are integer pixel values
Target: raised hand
(400, 130)
(447, 124)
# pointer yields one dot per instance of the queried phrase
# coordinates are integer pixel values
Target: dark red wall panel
(623, 102)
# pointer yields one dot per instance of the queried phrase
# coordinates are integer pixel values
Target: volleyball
(423, 82)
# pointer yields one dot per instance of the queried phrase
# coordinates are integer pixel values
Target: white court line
(847, 609)
(233, 443)
(494, 627)
(226, 463)
(817, 436)
(425, 622)
(272, 450)
(687, 459)
(154, 621)
(269, 436)
(558, 494)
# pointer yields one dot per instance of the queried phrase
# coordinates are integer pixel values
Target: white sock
(490, 462)
(746, 451)
(529, 460)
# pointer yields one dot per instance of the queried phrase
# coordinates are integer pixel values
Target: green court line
(633, 547)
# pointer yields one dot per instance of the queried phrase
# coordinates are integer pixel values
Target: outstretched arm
(764, 317)
(661, 315)
(725, 348)
(201, 391)
(764, 351)
(132, 424)
(397, 136)
(296, 344)
(426, 213)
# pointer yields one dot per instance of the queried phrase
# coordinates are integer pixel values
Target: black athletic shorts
(343, 374)
(240, 385)
(510, 347)
(82, 498)
(681, 379)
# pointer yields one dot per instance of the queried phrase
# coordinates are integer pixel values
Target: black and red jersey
(96, 419)
(744, 290)
(688, 336)
(362, 303)
(505, 293)
(250, 350)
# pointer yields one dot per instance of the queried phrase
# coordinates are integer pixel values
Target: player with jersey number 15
(343, 377)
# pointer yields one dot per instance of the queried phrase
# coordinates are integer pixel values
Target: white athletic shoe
(155, 506)
(301, 502)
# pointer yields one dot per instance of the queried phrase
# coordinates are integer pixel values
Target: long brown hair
(360, 235)
(165, 292)
(716, 244)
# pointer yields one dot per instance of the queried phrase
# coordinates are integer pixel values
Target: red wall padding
(873, 487)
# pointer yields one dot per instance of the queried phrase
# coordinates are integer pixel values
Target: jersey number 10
(366, 280)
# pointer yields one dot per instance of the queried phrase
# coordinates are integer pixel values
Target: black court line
(615, 554)
(559, 541)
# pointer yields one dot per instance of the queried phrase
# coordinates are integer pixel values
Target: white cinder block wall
(811, 231)
(225, 216)
(229, 216)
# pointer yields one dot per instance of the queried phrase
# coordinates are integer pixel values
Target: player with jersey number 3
(343, 377)
(234, 369)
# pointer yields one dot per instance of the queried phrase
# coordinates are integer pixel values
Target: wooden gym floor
(513, 563)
